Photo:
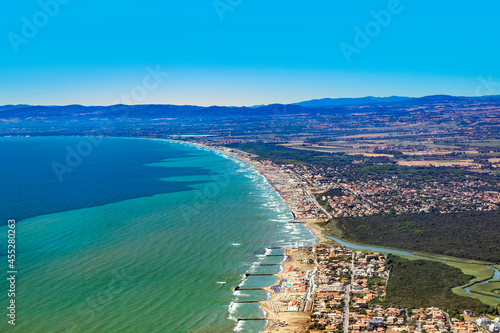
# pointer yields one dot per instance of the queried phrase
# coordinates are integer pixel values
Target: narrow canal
(496, 275)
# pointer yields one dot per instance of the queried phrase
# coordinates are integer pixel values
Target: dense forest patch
(423, 283)
(471, 235)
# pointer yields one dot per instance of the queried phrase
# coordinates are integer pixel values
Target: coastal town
(232, 166)
(329, 288)
(292, 187)
(321, 192)
(333, 289)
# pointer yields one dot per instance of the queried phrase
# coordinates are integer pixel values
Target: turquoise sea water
(141, 236)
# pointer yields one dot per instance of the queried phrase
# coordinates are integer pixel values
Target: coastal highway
(317, 204)
(346, 309)
(311, 286)
(313, 198)
(352, 269)
(346, 299)
(449, 321)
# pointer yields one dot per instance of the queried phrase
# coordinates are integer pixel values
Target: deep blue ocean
(136, 235)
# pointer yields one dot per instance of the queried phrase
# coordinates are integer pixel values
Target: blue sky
(244, 52)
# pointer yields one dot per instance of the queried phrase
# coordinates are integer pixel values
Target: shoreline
(282, 317)
(309, 223)
(300, 319)
(262, 304)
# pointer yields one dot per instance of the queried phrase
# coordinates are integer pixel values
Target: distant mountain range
(336, 102)
(329, 102)
(316, 118)
(165, 110)
(11, 107)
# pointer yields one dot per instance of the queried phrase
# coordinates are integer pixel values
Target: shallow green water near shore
(163, 258)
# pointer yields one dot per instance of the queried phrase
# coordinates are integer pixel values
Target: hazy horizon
(248, 106)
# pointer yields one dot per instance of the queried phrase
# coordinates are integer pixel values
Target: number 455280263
(11, 247)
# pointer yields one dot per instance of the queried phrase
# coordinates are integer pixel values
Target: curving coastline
(270, 315)
(293, 319)
(320, 237)
(308, 223)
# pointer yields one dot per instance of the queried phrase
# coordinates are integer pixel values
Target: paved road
(318, 205)
(346, 309)
(298, 179)
(449, 321)
(347, 298)
(352, 269)
(311, 287)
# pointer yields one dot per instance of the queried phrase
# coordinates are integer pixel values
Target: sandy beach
(283, 321)
(295, 321)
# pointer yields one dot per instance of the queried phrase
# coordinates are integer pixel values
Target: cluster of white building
(490, 325)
